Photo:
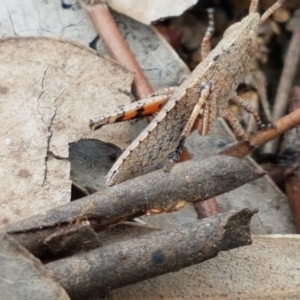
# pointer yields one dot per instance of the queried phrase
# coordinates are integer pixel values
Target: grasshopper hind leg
(205, 92)
(135, 110)
(169, 91)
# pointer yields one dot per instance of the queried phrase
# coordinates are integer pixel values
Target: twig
(117, 47)
(290, 161)
(284, 124)
(205, 208)
(286, 80)
(97, 271)
(192, 180)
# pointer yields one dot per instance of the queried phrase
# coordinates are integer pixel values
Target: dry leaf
(90, 161)
(268, 269)
(49, 89)
(23, 276)
(147, 11)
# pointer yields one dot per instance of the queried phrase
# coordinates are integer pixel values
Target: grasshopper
(209, 88)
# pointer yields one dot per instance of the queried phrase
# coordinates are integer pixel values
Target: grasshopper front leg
(257, 79)
(205, 92)
(234, 122)
(248, 108)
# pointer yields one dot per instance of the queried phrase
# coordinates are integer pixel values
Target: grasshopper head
(253, 20)
(245, 31)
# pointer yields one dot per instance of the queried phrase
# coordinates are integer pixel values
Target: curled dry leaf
(23, 276)
(147, 11)
(90, 162)
(49, 89)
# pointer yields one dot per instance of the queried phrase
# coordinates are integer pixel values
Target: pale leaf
(49, 89)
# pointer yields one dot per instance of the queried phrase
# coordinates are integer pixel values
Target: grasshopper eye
(231, 28)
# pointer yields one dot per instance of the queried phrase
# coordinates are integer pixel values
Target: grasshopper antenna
(253, 6)
(270, 11)
(206, 42)
(211, 23)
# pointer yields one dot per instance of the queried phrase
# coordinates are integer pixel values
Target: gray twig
(120, 264)
(155, 192)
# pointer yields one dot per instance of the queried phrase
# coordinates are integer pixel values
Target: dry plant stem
(290, 161)
(192, 180)
(205, 208)
(118, 48)
(263, 136)
(292, 187)
(97, 271)
(289, 70)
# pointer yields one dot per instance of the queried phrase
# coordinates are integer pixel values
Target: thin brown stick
(117, 47)
(97, 271)
(261, 137)
(290, 161)
(286, 80)
(152, 193)
(205, 208)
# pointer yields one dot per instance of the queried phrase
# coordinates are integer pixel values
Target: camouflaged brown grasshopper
(210, 87)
